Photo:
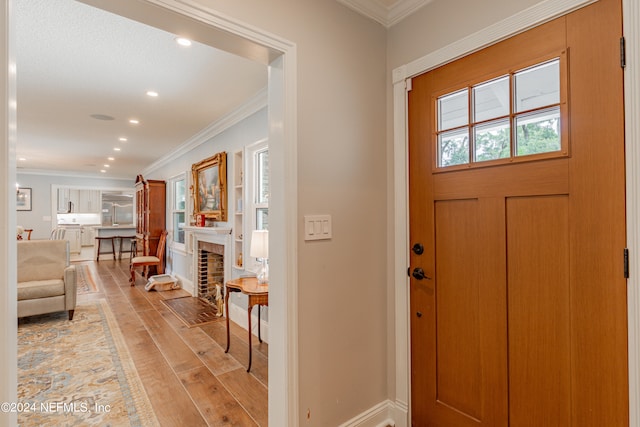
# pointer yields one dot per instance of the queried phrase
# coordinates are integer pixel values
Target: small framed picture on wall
(23, 201)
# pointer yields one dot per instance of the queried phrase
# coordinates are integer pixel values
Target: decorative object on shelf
(210, 187)
(19, 232)
(260, 249)
(200, 220)
(239, 261)
(23, 199)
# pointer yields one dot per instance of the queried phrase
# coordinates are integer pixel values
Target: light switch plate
(317, 227)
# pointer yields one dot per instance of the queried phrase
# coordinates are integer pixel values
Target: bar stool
(132, 246)
(113, 246)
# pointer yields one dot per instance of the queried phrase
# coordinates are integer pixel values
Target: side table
(257, 295)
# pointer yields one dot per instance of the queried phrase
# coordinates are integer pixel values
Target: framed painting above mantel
(210, 187)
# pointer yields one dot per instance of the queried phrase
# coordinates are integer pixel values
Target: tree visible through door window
(503, 119)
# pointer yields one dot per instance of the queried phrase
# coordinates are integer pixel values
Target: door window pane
(453, 148)
(492, 141)
(491, 99)
(453, 110)
(537, 86)
(538, 132)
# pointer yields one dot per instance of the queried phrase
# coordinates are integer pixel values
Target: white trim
(71, 175)
(252, 106)
(385, 15)
(380, 415)
(238, 315)
(631, 23)
(522, 21)
(8, 262)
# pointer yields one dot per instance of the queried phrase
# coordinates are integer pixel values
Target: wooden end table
(257, 295)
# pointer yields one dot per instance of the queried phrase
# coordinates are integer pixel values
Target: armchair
(46, 281)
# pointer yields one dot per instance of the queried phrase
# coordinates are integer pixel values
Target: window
(258, 192)
(503, 119)
(261, 167)
(178, 208)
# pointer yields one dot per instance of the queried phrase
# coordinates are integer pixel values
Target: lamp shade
(259, 244)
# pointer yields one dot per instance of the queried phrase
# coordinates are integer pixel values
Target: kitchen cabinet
(88, 235)
(73, 235)
(78, 201)
(89, 201)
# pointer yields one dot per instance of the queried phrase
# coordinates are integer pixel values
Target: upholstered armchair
(46, 281)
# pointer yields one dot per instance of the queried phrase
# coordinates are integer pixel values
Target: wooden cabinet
(150, 214)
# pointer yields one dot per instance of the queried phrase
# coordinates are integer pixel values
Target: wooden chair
(148, 261)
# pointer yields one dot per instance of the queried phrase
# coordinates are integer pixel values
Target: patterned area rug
(84, 280)
(78, 373)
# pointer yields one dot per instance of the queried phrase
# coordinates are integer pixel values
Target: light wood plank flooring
(187, 375)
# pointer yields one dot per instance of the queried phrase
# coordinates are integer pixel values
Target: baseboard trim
(238, 315)
(381, 415)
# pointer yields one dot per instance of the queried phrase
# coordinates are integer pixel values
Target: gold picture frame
(210, 187)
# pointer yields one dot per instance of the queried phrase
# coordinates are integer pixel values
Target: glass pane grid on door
(511, 116)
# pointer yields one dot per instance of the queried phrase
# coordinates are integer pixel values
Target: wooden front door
(518, 298)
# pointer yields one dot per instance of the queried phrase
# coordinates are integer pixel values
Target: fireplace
(210, 267)
(211, 259)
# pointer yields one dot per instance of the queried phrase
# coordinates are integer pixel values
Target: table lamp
(260, 249)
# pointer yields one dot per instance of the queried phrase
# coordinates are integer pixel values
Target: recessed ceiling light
(101, 117)
(116, 149)
(22, 159)
(106, 166)
(123, 139)
(134, 121)
(103, 171)
(152, 93)
(111, 159)
(183, 42)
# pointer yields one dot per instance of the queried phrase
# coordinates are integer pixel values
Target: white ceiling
(74, 61)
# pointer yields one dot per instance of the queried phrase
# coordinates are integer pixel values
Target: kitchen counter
(114, 227)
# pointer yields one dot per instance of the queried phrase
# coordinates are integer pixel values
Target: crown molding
(252, 106)
(383, 14)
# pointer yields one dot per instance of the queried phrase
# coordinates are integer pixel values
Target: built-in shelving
(238, 211)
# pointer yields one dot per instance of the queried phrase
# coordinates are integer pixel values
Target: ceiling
(76, 62)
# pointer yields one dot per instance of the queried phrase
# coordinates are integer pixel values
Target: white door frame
(524, 20)
(280, 55)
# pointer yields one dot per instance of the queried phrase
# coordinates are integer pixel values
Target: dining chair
(57, 233)
(149, 260)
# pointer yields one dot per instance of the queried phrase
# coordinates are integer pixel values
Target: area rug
(85, 283)
(192, 311)
(78, 373)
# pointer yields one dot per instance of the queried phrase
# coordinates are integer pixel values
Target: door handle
(418, 274)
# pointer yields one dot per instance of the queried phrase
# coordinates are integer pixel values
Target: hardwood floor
(187, 375)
